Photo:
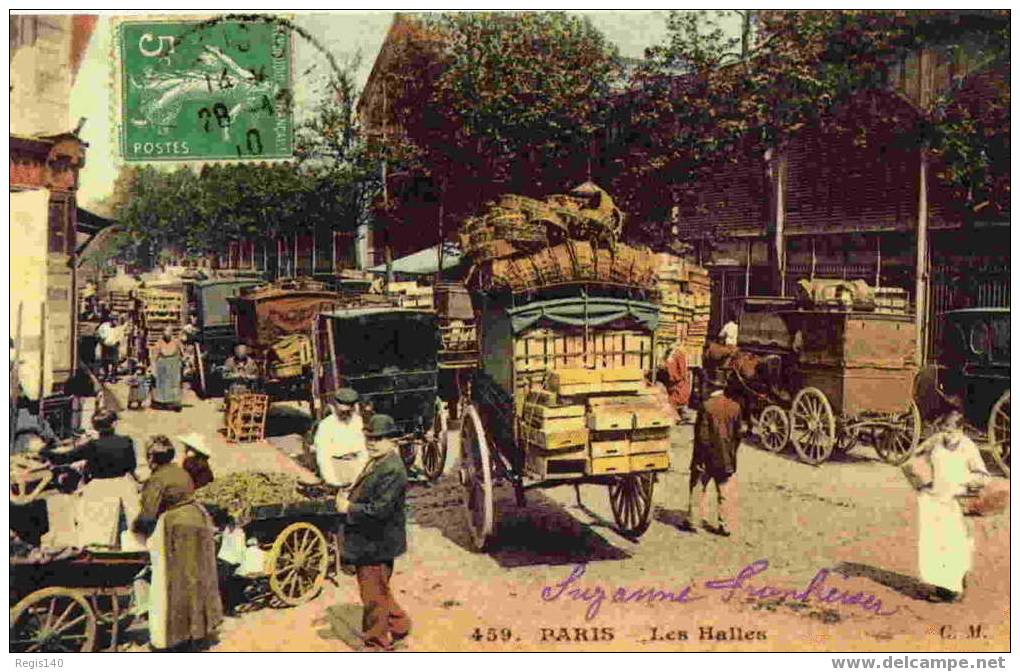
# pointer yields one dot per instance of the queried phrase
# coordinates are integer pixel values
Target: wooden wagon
(561, 398)
(72, 601)
(84, 598)
(275, 321)
(390, 357)
(851, 378)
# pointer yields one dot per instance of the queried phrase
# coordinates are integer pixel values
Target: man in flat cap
(375, 533)
(339, 441)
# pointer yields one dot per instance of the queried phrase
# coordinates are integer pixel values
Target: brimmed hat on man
(346, 395)
(381, 426)
(195, 442)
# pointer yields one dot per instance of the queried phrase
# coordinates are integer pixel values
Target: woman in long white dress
(945, 541)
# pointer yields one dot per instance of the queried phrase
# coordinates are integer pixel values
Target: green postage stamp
(205, 90)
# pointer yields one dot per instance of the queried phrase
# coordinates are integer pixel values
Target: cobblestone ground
(855, 516)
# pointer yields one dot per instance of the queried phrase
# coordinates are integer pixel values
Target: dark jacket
(717, 437)
(376, 531)
(109, 456)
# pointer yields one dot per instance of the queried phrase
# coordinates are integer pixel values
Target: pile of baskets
(572, 261)
(520, 225)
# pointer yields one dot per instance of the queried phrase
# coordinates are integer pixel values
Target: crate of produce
(610, 444)
(543, 465)
(556, 440)
(649, 462)
(610, 465)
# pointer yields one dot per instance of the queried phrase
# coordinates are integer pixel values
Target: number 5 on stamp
(194, 91)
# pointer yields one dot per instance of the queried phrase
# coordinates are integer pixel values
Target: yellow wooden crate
(622, 374)
(561, 377)
(546, 412)
(649, 462)
(610, 465)
(649, 446)
(555, 440)
(610, 447)
(554, 425)
(651, 416)
(544, 465)
(607, 418)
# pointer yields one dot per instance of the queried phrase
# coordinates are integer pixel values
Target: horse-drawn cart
(562, 398)
(390, 356)
(825, 379)
(275, 321)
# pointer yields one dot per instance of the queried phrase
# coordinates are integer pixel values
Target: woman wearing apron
(184, 603)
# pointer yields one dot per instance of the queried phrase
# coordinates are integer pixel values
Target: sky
(348, 35)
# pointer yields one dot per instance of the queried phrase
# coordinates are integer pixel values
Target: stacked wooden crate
(700, 287)
(594, 422)
(410, 295)
(671, 282)
(891, 300)
(121, 303)
(159, 309)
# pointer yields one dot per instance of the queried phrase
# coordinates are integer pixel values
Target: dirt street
(855, 517)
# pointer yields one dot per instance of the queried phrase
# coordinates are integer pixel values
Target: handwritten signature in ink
(819, 588)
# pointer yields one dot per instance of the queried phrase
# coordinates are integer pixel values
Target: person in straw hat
(196, 459)
(375, 533)
(184, 604)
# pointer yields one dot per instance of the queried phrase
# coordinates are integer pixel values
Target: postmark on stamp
(205, 90)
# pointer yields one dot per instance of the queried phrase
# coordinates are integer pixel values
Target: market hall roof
(424, 262)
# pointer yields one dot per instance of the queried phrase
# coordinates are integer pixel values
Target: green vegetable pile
(236, 493)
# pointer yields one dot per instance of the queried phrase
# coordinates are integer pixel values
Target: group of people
(118, 509)
(159, 381)
(946, 467)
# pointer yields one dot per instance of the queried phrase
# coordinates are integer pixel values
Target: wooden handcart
(71, 604)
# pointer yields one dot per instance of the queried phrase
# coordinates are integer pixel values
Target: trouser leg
(727, 492)
(398, 621)
(373, 588)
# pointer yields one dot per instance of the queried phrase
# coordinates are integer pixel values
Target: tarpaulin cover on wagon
(581, 311)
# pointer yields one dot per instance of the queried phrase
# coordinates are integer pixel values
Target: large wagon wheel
(297, 563)
(433, 452)
(631, 500)
(773, 428)
(998, 432)
(899, 441)
(812, 426)
(476, 477)
(53, 620)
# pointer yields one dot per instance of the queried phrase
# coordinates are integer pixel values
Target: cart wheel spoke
(298, 563)
(998, 432)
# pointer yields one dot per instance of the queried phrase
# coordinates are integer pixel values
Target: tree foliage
(491, 102)
(698, 100)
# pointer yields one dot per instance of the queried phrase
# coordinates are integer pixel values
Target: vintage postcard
(516, 331)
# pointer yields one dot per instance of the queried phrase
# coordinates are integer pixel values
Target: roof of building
(424, 262)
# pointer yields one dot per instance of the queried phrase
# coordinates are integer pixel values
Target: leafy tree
(700, 100)
(493, 102)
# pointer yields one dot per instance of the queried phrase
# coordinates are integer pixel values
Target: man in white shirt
(110, 334)
(340, 450)
(728, 334)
